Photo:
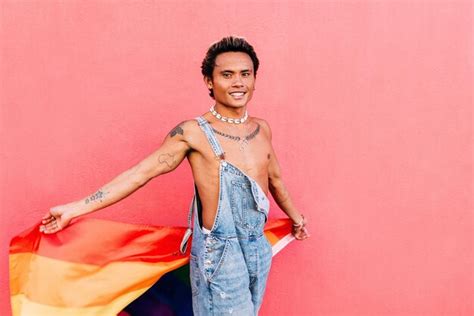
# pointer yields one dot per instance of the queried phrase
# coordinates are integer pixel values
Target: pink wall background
(370, 104)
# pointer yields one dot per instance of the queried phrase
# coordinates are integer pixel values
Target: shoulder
(183, 129)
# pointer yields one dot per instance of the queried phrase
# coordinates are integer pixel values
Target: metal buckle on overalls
(184, 242)
(220, 157)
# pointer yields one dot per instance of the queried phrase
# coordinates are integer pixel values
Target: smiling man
(234, 167)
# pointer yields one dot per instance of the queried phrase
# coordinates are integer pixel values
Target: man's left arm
(280, 193)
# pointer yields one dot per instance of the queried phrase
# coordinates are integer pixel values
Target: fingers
(47, 221)
(51, 226)
(301, 237)
(48, 218)
(51, 230)
(301, 233)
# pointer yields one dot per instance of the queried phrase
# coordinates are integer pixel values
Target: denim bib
(229, 264)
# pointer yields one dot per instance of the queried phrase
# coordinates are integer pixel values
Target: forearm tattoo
(98, 196)
(167, 159)
(177, 130)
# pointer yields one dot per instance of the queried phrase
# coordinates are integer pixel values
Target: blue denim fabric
(229, 265)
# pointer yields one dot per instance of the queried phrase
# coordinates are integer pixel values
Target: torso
(252, 160)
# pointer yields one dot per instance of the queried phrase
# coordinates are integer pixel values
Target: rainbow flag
(101, 267)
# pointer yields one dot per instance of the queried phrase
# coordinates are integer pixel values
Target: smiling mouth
(237, 95)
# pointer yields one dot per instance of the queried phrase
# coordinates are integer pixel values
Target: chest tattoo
(243, 141)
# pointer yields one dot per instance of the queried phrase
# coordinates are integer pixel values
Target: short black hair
(227, 44)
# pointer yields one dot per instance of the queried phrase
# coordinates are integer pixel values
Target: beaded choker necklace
(228, 119)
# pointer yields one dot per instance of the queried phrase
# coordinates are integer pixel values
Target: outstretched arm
(281, 195)
(166, 158)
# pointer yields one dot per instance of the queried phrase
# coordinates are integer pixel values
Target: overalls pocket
(244, 209)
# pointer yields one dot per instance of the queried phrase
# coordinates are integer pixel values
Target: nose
(237, 82)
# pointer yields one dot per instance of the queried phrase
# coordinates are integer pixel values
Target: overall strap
(189, 230)
(217, 149)
(211, 137)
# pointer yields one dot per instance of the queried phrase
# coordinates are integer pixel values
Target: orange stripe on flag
(61, 283)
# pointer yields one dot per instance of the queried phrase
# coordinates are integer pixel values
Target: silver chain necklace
(228, 119)
(243, 141)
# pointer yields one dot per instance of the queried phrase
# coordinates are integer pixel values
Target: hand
(300, 232)
(56, 219)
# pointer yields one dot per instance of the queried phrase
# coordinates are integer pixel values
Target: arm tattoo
(177, 130)
(96, 196)
(168, 159)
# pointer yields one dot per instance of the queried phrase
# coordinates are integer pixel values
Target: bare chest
(249, 151)
(250, 157)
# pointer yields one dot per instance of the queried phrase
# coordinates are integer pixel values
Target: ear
(208, 82)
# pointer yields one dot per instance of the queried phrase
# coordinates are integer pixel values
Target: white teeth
(237, 94)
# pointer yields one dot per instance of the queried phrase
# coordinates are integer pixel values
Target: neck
(230, 111)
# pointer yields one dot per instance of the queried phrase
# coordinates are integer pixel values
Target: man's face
(233, 79)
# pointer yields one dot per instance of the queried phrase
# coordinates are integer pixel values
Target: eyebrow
(231, 71)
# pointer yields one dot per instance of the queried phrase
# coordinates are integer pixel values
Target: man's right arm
(166, 158)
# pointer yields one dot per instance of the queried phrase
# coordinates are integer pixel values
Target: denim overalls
(229, 265)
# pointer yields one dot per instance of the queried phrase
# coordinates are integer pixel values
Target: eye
(226, 75)
(246, 74)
